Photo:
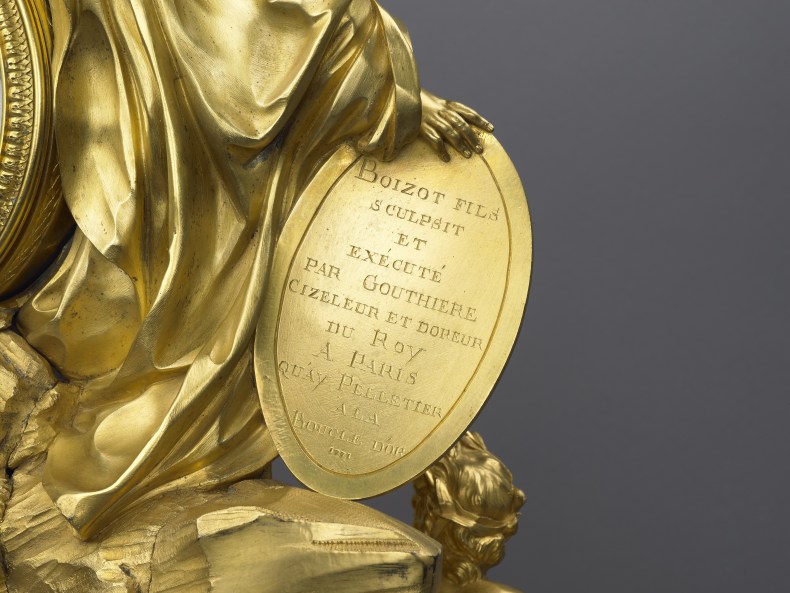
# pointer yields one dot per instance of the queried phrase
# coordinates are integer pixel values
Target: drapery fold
(187, 131)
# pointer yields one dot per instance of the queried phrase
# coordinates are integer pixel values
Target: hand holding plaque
(394, 300)
(240, 247)
(451, 122)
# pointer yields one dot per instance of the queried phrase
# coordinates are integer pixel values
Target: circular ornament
(34, 220)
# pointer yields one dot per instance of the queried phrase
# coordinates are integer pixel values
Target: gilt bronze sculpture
(231, 230)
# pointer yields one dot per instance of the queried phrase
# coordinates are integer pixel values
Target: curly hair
(468, 503)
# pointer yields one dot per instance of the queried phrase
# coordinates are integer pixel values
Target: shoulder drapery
(186, 132)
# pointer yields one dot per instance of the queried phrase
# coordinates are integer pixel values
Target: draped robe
(186, 131)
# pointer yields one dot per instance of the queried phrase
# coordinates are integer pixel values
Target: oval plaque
(395, 298)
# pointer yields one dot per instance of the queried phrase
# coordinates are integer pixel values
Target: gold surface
(257, 536)
(33, 217)
(467, 502)
(395, 297)
(210, 151)
(181, 159)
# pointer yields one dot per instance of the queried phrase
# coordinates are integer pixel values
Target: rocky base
(258, 536)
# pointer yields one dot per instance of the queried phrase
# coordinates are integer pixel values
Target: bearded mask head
(468, 503)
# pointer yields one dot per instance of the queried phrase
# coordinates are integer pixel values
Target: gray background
(645, 410)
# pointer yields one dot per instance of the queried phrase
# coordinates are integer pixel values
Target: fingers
(433, 138)
(472, 116)
(450, 134)
(464, 129)
(452, 123)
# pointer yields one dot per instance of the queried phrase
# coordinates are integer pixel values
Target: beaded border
(18, 112)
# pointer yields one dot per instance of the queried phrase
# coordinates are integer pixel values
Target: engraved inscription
(401, 265)
(395, 292)
(372, 283)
